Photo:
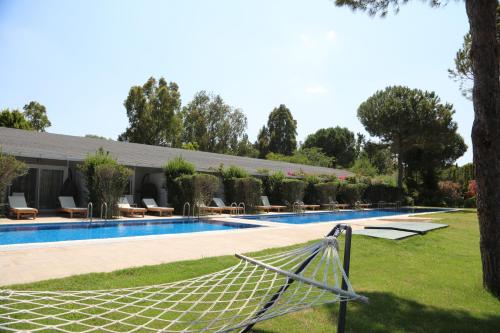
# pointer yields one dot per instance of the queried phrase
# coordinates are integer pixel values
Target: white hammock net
(223, 301)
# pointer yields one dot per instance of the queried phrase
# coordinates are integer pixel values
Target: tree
(212, 124)
(262, 143)
(419, 129)
(311, 156)
(14, 119)
(246, 148)
(10, 169)
(36, 114)
(337, 142)
(463, 73)
(282, 131)
(485, 55)
(379, 155)
(152, 111)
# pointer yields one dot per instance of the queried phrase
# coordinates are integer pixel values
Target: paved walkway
(24, 264)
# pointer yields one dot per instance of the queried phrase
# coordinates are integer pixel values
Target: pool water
(57, 232)
(340, 215)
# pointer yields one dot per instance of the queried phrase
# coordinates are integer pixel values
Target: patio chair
(208, 209)
(220, 204)
(151, 206)
(68, 206)
(125, 208)
(267, 207)
(19, 207)
(304, 206)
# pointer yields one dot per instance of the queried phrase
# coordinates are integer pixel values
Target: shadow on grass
(390, 313)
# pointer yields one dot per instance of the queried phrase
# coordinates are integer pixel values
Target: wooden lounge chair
(208, 209)
(308, 207)
(19, 207)
(220, 204)
(68, 206)
(267, 207)
(151, 206)
(127, 210)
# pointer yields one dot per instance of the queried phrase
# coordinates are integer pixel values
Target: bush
(450, 193)
(292, 190)
(350, 193)
(247, 190)
(472, 189)
(232, 172)
(470, 202)
(326, 192)
(198, 188)
(95, 168)
(174, 169)
(310, 194)
(10, 169)
(110, 180)
(271, 186)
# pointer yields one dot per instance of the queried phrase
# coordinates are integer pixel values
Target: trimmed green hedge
(350, 193)
(326, 192)
(292, 190)
(247, 190)
(382, 192)
(198, 188)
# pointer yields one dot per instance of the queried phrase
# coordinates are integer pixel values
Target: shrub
(10, 169)
(110, 180)
(271, 186)
(247, 190)
(470, 202)
(292, 190)
(232, 172)
(310, 195)
(472, 189)
(326, 192)
(198, 188)
(174, 169)
(95, 168)
(350, 193)
(450, 192)
(363, 167)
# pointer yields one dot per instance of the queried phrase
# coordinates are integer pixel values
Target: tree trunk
(486, 135)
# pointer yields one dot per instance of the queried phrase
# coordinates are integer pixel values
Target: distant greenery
(337, 143)
(153, 113)
(311, 156)
(279, 136)
(33, 118)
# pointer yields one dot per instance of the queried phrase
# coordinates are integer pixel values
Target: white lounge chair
(68, 206)
(267, 207)
(125, 208)
(19, 207)
(220, 204)
(151, 206)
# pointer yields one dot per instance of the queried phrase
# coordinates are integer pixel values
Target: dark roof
(31, 144)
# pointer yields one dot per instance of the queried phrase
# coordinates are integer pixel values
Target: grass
(429, 283)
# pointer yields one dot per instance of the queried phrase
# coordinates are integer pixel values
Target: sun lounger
(125, 208)
(151, 206)
(267, 207)
(19, 207)
(220, 204)
(68, 206)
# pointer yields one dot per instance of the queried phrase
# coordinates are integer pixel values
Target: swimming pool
(57, 232)
(340, 215)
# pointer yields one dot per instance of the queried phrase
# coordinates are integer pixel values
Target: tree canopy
(212, 125)
(14, 119)
(152, 111)
(281, 130)
(36, 114)
(337, 142)
(419, 129)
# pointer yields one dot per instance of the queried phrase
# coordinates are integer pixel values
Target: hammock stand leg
(336, 231)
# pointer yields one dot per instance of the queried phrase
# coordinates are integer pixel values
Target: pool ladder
(240, 208)
(105, 206)
(186, 210)
(297, 207)
(90, 211)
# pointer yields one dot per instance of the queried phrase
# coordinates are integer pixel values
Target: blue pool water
(339, 215)
(41, 233)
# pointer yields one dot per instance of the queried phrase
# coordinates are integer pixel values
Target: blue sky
(79, 58)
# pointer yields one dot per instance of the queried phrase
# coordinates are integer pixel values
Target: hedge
(350, 193)
(382, 192)
(326, 192)
(292, 190)
(198, 188)
(247, 190)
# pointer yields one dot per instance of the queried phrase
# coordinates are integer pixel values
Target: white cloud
(316, 89)
(331, 35)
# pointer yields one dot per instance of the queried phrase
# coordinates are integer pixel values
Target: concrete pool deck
(26, 263)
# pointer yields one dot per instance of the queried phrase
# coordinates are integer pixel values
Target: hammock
(236, 298)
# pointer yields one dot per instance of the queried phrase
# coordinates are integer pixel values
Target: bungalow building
(53, 158)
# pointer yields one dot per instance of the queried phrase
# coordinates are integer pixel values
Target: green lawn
(429, 283)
